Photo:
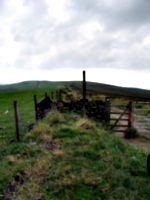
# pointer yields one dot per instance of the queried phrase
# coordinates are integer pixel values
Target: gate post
(107, 111)
(130, 114)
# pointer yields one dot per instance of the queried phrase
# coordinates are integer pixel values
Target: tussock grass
(53, 118)
(87, 162)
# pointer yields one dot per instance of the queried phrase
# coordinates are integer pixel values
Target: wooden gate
(141, 116)
(120, 117)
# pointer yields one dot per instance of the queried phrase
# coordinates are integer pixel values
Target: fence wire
(26, 117)
(141, 116)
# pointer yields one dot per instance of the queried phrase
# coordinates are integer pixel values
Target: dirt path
(137, 142)
(141, 142)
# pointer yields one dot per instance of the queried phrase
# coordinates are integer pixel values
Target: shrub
(131, 133)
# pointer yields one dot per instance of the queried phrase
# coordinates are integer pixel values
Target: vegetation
(131, 133)
(92, 88)
(66, 156)
(32, 85)
(114, 91)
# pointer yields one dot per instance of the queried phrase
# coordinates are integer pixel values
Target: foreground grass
(68, 157)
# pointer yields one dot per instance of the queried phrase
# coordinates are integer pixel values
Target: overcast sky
(58, 39)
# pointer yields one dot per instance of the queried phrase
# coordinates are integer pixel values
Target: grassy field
(66, 156)
(25, 100)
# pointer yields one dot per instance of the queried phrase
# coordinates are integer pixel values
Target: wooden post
(45, 94)
(130, 114)
(35, 106)
(84, 93)
(17, 121)
(107, 111)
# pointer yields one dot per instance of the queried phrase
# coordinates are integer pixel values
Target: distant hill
(31, 85)
(92, 87)
(114, 91)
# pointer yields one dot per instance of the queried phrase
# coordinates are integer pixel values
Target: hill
(30, 85)
(113, 91)
(92, 88)
(68, 157)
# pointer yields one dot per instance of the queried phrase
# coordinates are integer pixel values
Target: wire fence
(26, 116)
(141, 116)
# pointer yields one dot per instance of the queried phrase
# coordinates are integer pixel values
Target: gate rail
(141, 117)
(120, 113)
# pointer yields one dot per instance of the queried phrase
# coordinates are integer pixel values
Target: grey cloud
(125, 27)
(133, 17)
(2, 4)
(117, 15)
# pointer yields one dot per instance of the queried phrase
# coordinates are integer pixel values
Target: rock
(10, 188)
(50, 146)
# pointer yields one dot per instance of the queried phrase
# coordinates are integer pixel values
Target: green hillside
(31, 85)
(113, 91)
(68, 157)
(92, 88)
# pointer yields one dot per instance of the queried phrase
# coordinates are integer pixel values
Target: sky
(57, 40)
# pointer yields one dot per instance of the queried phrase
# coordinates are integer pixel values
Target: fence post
(17, 120)
(107, 111)
(84, 93)
(130, 114)
(35, 106)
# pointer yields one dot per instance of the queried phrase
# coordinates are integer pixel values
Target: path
(142, 142)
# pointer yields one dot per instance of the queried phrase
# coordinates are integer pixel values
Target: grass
(86, 162)
(66, 156)
(92, 89)
(26, 110)
(131, 133)
(32, 85)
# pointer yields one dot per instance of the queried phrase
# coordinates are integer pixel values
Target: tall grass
(66, 156)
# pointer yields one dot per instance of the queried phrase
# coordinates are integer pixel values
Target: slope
(66, 156)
